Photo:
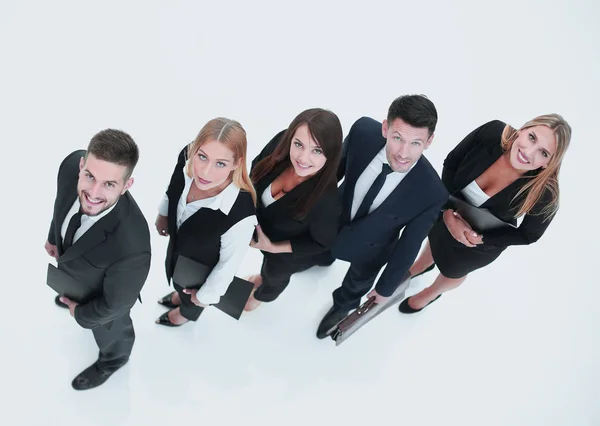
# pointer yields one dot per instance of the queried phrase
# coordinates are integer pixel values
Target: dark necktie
(373, 191)
(74, 225)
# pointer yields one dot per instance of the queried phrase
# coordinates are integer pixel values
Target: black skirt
(454, 259)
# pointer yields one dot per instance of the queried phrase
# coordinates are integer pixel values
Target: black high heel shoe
(406, 309)
(429, 268)
(167, 301)
(164, 320)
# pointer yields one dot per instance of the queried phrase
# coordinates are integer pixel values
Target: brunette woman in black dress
(298, 203)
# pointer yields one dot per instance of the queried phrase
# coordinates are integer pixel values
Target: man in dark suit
(99, 236)
(388, 188)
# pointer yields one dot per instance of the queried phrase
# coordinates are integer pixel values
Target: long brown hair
(325, 127)
(546, 179)
(231, 134)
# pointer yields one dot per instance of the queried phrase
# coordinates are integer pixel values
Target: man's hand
(379, 299)
(72, 305)
(51, 250)
(192, 292)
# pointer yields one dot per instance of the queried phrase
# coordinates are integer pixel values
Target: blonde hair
(231, 134)
(546, 179)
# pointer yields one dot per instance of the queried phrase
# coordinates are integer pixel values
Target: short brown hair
(115, 146)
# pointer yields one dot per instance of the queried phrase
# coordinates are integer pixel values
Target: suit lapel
(69, 197)
(97, 233)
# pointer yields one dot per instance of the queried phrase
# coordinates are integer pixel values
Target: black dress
(468, 160)
(308, 236)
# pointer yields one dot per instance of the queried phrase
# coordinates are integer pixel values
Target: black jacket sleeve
(470, 142)
(341, 172)
(407, 248)
(532, 227)
(123, 282)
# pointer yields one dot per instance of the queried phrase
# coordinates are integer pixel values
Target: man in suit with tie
(99, 236)
(389, 187)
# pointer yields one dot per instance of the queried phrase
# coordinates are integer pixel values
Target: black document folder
(191, 274)
(480, 219)
(65, 285)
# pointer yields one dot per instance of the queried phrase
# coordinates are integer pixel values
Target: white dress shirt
(234, 242)
(474, 194)
(267, 198)
(86, 221)
(367, 178)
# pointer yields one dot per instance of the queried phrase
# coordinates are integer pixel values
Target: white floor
(517, 344)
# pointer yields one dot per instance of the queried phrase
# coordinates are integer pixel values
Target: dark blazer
(412, 207)
(310, 235)
(469, 159)
(113, 255)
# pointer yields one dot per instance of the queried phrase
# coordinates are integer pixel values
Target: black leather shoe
(406, 309)
(91, 377)
(168, 301)
(59, 303)
(429, 268)
(330, 320)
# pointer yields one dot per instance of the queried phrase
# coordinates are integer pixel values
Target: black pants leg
(358, 281)
(188, 309)
(115, 341)
(276, 271)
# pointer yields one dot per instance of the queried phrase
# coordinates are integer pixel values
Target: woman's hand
(162, 225)
(461, 230)
(265, 244)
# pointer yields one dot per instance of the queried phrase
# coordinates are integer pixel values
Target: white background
(517, 344)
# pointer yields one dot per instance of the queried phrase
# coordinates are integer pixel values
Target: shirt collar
(96, 218)
(222, 201)
(381, 155)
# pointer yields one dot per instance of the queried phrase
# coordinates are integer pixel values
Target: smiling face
(405, 144)
(306, 154)
(533, 148)
(100, 184)
(212, 165)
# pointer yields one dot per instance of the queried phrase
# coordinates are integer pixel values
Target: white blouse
(266, 198)
(474, 194)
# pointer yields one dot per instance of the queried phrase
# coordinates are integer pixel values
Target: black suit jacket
(469, 159)
(412, 207)
(310, 235)
(113, 255)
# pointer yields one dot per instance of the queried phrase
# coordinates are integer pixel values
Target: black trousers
(188, 309)
(358, 281)
(276, 271)
(115, 341)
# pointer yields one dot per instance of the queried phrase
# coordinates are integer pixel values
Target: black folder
(480, 219)
(65, 285)
(191, 274)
